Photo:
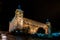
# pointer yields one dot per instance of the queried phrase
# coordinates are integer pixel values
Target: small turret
(49, 26)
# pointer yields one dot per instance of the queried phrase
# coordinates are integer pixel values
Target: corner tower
(17, 21)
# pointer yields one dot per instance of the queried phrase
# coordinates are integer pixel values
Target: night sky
(38, 10)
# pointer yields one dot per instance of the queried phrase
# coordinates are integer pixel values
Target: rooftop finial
(19, 6)
(47, 20)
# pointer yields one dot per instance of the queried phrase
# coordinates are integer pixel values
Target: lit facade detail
(20, 22)
(49, 27)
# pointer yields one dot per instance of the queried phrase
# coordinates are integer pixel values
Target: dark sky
(38, 10)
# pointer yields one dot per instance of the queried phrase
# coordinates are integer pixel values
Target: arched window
(41, 30)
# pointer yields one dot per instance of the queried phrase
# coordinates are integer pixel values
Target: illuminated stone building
(21, 23)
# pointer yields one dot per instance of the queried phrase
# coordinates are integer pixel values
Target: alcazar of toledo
(21, 22)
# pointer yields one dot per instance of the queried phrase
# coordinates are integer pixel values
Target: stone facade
(20, 22)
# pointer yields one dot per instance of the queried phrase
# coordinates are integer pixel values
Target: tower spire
(19, 6)
(49, 26)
